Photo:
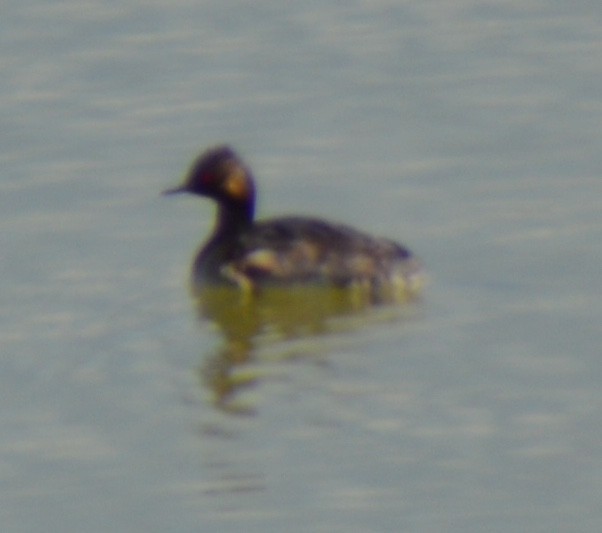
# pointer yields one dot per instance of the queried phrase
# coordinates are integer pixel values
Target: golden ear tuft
(237, 184)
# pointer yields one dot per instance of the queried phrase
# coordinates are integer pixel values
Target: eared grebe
(285, 250)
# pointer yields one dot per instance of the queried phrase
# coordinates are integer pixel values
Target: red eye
(208, 179)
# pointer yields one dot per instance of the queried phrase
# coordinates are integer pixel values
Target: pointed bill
(175, 190)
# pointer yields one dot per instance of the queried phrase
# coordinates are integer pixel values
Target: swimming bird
(252, 254)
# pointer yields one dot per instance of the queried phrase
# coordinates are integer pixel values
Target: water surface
(468, 131)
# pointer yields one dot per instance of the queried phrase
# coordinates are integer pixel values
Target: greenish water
(469, 132)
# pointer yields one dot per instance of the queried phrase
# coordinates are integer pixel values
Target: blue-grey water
(468, 130)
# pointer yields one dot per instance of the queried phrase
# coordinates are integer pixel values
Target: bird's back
(302, 250)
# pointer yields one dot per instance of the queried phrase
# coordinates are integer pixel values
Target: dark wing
(307, 249)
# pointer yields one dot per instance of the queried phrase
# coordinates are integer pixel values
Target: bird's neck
(232, 218)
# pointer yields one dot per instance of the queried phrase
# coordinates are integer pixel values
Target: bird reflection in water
(252, 324)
